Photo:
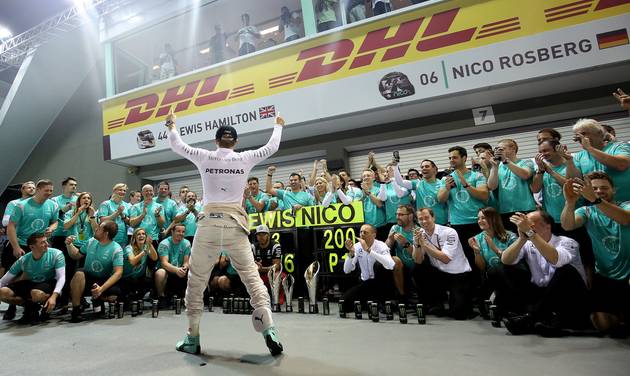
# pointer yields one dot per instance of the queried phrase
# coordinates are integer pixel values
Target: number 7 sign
(483, 115)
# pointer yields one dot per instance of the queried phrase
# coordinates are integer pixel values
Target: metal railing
(13, 51)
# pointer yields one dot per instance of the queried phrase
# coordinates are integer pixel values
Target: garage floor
(314, 345)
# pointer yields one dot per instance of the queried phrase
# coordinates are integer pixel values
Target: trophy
(287, 285)
(310, 275)
(275, 278)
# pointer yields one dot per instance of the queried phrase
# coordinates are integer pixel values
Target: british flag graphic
(267, 112)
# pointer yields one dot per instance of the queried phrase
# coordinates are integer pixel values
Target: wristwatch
(597, 201)
(406, 245)
(530, 233)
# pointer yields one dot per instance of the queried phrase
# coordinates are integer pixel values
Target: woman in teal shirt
(135, 282)
(488, 246)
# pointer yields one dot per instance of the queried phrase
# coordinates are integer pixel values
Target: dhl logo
(405, 41)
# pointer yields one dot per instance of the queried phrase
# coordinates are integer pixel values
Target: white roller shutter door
(410, 157)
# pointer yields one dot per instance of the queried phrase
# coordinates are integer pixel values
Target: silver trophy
(275, 279)
(287, 285)
(310, 275)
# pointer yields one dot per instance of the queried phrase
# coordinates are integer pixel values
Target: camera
(476, 167)
(396, 156)
(577, 139)
(498, 154)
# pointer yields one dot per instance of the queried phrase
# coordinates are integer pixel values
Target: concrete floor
(314, 345)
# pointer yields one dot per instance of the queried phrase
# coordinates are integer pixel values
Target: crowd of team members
(505, 227)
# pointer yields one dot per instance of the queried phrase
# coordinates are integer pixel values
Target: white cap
(262, 228)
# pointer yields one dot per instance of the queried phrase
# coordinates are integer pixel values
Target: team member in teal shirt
(488, 246)
(400, 240)
(372, 195)
(66, 202)
(426, 190)
(169, 205)
(103, 268)
(187, 215)
(27, 190)
(611, 157)
(135, 283)
(33, 215)
(466, 193)
(80, 221)
(295, 198)
(148, 214)
(396, 195)
(254, 199)
(510, 177)
(550, 178)
(608, 225)
(40, 277)
(174, 255)
(117, 210)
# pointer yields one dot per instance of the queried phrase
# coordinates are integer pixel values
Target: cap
(226, 131)
(262, 228)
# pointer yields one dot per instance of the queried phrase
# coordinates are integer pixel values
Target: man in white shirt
(556, 296)
(447, 269)
(375, 264)
(224, 225)
(247, 36)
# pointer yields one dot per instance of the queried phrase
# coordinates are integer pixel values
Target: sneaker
(519, 325)
(273, 342)
(76, 315)
(30, 314)
(10, 313)
(189, 345)
(549, 330)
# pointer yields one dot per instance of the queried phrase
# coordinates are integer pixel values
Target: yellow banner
(310, 216)
(418, 34)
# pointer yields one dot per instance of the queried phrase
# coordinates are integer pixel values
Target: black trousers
(565, 296)
(434, 285)
(377, 289)
(509, 283)
(381, 8)
(59, 242)
(135, 288)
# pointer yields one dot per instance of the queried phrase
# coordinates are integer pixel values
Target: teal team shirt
(100, 260)
(492, 259)
(138, 271)
(81, 229)
(402, 253)
(462, 207)
(586, 163)
(30, 217)
(514, 192)
(8, 211)
(426, 197)
(261, 196)
(108, 208)
(393, 201)
(149, 222)
(553, 198)
(294, 198)
(174, 252)
(169, 210)
(40, 270)
(372, 214)
(230, 269)
(62, 201)
(611, 242)
(191, 220)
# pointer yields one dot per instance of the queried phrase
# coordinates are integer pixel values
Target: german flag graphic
(612, 39)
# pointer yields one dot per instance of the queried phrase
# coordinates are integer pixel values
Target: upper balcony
(152, 41)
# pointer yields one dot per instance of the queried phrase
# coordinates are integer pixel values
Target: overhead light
(5, 33)
(155, 67)
(135, 19)
(270, 30)
(205, 51)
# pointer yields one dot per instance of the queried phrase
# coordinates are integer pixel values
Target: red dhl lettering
(178, 98)
(396, 46)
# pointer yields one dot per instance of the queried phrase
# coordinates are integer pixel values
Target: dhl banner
(310, 216)
(428, 52)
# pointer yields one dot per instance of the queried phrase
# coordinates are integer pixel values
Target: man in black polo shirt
(267, 253)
